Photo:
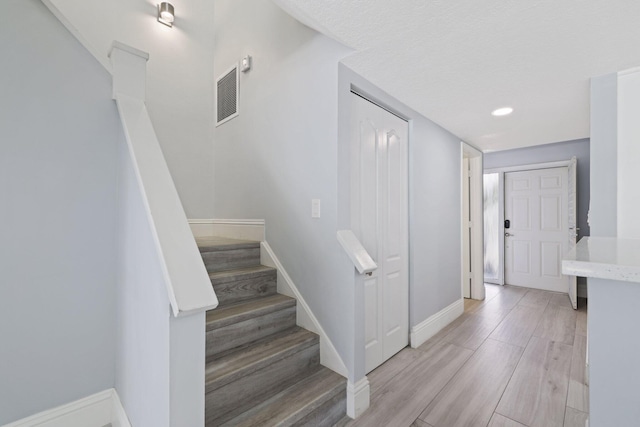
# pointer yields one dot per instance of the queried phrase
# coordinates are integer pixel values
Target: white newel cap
(129, 68)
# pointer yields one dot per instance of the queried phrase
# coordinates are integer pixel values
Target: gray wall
(58, 164)
(604, 141)
(550, 153)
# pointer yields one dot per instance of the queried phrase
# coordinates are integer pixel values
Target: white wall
(604, 156)
(143, 335)
(179, 80)
(287, 147)
(281, 151)
(628, 154)
(58, 163)
(615, 152)
(434, 202)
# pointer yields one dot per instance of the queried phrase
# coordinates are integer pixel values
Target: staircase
(262, 369)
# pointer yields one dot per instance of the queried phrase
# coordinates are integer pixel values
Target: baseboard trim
(329, 356)
(434, 324)
(97, 410)
(244, 229)
(357, 397)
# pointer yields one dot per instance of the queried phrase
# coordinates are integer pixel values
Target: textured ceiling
(456, 61)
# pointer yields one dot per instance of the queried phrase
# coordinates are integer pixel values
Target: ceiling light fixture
(165, 14)
(504, 111)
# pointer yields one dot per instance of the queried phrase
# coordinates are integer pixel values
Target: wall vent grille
(227, 96)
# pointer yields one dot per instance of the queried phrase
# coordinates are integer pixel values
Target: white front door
(536, 205)
(379, 216)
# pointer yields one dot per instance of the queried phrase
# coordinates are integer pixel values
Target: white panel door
(380, 220)
(536, 205)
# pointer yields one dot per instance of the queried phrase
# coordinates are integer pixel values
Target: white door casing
(466, 230)
(573, 226)
(536, 204)
(472, 230)
(379, 216)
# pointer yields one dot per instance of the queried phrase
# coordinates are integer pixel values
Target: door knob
(508, 235)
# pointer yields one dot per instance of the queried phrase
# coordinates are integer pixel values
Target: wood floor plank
(491, 290)
(501, 421)
(581, 323)
(439, 337)
(470, 397)
(473, 331)
(574, 418)
(557, 324)
(518, 326)
(578, 360)
(471, 304)
(537, 392)
(578, 395)
(401, 400)
(536, 298)
(561, 300)
(502, 303)
(419, 423)
(384, 373)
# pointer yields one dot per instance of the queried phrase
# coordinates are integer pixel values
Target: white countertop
(604, 258)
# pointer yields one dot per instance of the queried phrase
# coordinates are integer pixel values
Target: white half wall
(163, 378)
(143, 340)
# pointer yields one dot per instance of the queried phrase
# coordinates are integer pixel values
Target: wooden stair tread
(238, 363)
(223, 316)
(294, 403)
(212, 244)
(246, 272)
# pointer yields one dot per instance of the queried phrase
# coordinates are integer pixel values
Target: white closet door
(380, 220)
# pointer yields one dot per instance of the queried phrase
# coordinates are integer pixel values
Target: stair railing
(357, 253)
(188, 286)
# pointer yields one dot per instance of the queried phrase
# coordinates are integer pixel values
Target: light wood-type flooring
(515, 359)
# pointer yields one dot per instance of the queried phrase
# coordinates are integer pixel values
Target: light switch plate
(245, 64)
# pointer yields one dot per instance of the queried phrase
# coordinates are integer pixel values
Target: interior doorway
(530, 223)
(472, 284)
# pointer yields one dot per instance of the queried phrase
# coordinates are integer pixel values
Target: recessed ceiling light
(504, 111)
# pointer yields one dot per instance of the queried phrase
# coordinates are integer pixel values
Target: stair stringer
(329, 356)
